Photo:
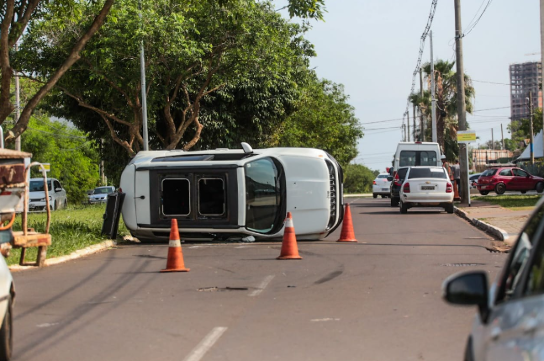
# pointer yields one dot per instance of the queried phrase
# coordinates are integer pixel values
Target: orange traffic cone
(289, 248)
(456, 196)
(175, 255)
(347, 234)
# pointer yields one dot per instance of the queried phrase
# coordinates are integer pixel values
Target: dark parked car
(473, 179)
(502, 179)
(509, 324)
(396, 183)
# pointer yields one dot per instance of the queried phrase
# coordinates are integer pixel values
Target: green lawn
(71, 229)
(511, 201)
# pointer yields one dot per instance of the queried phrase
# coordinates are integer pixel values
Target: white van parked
(232, 194)
(410, 154)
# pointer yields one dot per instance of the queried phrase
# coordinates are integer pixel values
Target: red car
(502, 179)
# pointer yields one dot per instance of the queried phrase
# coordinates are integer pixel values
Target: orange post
(289, 247)
(456, 196)
(175, 262)
(347, 234)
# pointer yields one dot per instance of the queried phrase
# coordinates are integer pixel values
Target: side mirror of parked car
(58, 189)
(389, 179)
(468, 288)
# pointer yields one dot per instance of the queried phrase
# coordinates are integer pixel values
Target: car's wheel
(403, 207)
(500, 188)
(6, 334)
(449, 208)
(65, 204)
(523, 192)
(374, 195)
(53, 205)
(394, 202)
(484, 193)
(540, 187)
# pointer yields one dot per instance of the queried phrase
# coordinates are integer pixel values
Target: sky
(372, 48)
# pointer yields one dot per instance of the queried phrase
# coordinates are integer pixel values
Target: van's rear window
(410, 158)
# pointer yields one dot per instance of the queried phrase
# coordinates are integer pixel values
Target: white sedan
(426, 187)
(380, 186)
(7, 297)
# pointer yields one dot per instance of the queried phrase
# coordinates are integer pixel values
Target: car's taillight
(449, 188)
(374, 182)
(397, 180)
(406, 188)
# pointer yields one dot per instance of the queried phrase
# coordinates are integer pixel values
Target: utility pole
(414, 120)
(461, 110)
(531, 126)
(408, 122)
(502, 139)
(422, 125)
(17, 104)
(144, 92)
(492, 140)
(433, 101)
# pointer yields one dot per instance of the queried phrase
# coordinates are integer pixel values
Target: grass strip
(511, 201)
(71, 229)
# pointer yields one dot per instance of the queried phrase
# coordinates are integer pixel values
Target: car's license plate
(427, 188)
(385, 189)
(484, 187)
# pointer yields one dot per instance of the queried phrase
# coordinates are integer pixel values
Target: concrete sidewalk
(502, 223)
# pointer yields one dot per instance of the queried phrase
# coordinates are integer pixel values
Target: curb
(95, 248)
(497, 233)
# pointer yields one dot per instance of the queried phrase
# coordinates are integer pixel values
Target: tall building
(524, 77)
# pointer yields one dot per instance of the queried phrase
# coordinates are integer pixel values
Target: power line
(490, 82)
(421, 48)
(481, 110)
(383, 121)
(470, 28)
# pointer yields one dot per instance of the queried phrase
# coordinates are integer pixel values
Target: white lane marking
(262, 286)
(207, 342)
(324, 319)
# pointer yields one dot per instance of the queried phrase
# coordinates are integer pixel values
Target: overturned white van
(226, 194)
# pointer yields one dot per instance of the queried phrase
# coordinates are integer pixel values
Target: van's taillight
(449, 188)
(397, 180)
(406, 188)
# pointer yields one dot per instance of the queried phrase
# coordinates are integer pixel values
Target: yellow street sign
(466, 136)
(47, 166)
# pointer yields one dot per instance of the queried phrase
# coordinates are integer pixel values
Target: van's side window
(417, 157)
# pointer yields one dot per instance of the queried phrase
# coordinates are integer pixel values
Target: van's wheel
(6, 334)
(449, 208)
(374, 195)
(403, 207)
(484, 193)
(540, 187)
(394, 202)
(500, 188)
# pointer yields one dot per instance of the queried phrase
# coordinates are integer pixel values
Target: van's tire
(374, 195)
(500, 188)
(394, 202)
(540, 187)
(468, 351)
(403, 208)
(449, 208)
(6, 333)
(484, 193)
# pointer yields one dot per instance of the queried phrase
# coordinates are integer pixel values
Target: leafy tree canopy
(323, 120)
(358, 178)
(73, 159)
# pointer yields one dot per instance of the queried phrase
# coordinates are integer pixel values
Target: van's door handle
(530, 326)
(495, 333)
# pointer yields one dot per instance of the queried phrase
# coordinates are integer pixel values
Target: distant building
(524, 77)
(482, 158)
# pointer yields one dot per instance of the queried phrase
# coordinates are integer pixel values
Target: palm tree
(446, 101)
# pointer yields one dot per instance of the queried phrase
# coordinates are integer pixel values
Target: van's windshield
(410, 158)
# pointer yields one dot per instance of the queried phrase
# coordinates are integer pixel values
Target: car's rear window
(427, 173)
(489, 172)
(383, 175)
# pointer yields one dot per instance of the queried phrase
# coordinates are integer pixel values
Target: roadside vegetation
(511, 201)
(71, 229)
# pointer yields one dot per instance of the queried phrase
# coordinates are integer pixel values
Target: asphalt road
(377, 299)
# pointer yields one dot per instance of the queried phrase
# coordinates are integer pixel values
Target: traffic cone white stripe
(289, 223)
(174, 243)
